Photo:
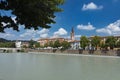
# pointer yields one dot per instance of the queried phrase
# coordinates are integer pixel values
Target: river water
(16, 66)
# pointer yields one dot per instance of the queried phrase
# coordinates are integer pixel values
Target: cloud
(111, 29)
(32, 34)
(29, 34)
(4, 24)
(26, 35)
(85, 27)
(13, 18)
(103, 30)
(60, 32)
(43, 33)
(8, 36)
(77, 36)
(91, 6)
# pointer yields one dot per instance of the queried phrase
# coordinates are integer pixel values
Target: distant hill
(4, 40)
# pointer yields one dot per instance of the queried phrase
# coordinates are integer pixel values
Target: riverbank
(58, 51)
(85, 52)
(67, 54)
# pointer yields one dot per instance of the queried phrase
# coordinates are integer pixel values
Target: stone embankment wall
(94, 52)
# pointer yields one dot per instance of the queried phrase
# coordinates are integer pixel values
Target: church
(75, 44)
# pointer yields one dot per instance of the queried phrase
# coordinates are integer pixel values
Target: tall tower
(72, 34)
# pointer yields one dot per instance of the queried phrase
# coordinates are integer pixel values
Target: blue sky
(88, 17)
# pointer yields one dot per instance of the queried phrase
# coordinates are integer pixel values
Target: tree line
(57, 44)
(99, 42)
(93, 42)
(7, 45)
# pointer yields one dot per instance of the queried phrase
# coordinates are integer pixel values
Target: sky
(87, 17)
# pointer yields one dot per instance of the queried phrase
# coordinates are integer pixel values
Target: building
(18, 44)
(75, 44)
(47, 40)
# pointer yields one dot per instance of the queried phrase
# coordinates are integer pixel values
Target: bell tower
(72, 34)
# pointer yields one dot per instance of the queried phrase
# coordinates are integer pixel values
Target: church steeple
(72, 34)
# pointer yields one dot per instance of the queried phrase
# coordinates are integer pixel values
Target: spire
(72, 30)
(72, 34)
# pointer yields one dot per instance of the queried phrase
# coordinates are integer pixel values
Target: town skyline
(88, 17)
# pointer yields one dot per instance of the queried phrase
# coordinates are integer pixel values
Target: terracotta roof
(50, 38)
(74, 41)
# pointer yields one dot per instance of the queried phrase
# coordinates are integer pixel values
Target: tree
(84, 41)
(118, 43)
(46, 45)
(7, 44)
(56, 44)
(103, 45)
(31, 13)
(65, 45)
(50, 44)
(95, 41)
(37, 44)
(110, 42)
(31, 43)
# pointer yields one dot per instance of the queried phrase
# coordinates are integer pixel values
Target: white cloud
(26, 35)
(4, 24)
(91, 6)
(43, 33)
(111, 29)
(29, 34)
(60, 32)
(85, 27)
(13, 18)
(32, 34)
(77, 36)
(8, 36)
(103, 30)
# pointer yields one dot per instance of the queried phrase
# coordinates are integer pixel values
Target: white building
(18, 44)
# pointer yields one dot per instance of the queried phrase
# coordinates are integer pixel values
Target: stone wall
(92, 52)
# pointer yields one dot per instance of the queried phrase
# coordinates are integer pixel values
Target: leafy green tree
(37, 45)
(50, 44)
(118, 44)
(24, 46)
(102, 45)
(31, 13)
(31, 43)
(56, 44)
(65, 45)
(95, 41)
(110, 42)
(46, 45)
(7, 44)
(84, 41)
